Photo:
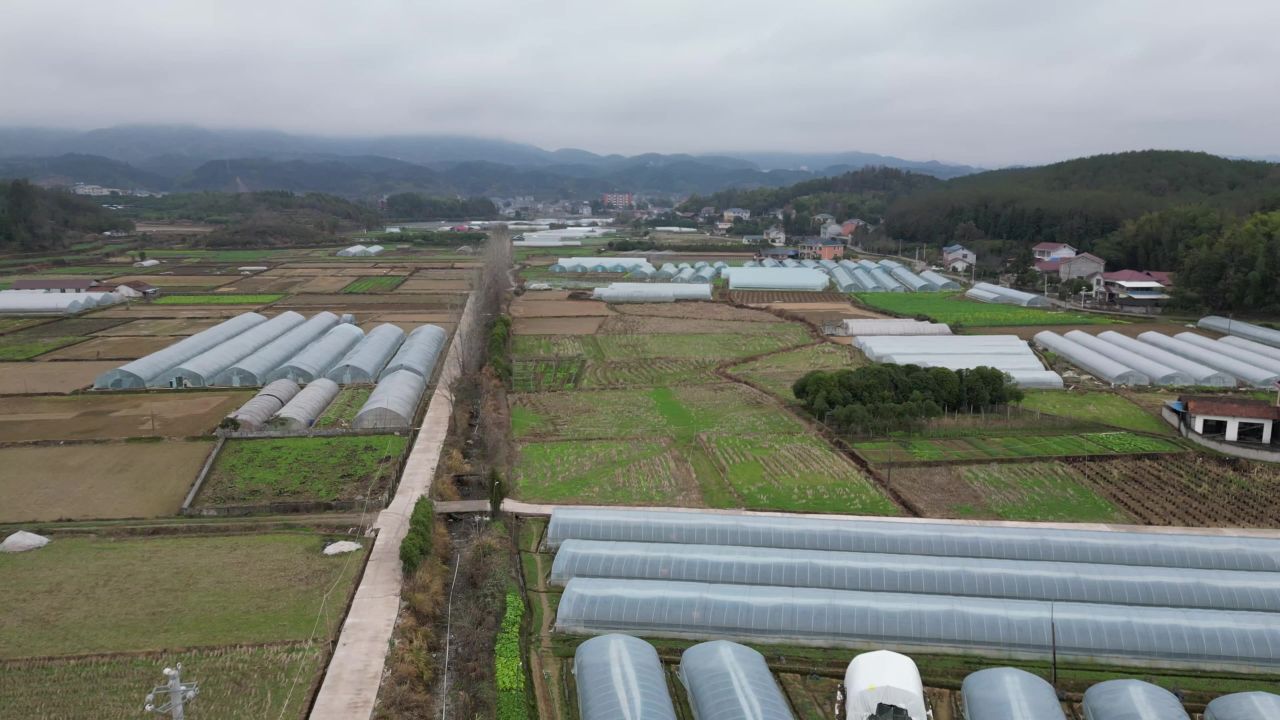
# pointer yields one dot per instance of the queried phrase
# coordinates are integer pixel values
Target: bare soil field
(1132, 329)
(20, 378)
(557, 325)
(172, 229)
(522, 308)
(158, 327)
(70, 327)
(543, 295)
(97, 480)
(409, 302)
(819, 313)
(323, 284)
(266, 284)
(439, 274)
(195, 282)
(697, 311)
(421, 317)
(83, 417)
(644, 325)
(111, 348)
(418, 285)
(145, 310)
(765, 297)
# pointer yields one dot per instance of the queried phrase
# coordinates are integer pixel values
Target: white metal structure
(883, 678)
(796, 278)
(1091, 361)
(1200, 374)
(1251, 374)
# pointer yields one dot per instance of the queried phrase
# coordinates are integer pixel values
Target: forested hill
(32, 218)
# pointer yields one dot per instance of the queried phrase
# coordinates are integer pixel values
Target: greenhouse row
(728, 681)
(778, 278)
(892, 326)
(361, 251)
(1157, 359)
(250, 350)
(393, 402)
(925, 574)
(1032, 629)
(1240, 329)
(1148, 549)
(988, 293)
(651, 292)
(1007, 353)
(38, 302)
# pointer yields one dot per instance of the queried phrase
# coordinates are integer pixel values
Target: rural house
(1229, 419)
(1052, 251)
(821, 248)
(958, 258)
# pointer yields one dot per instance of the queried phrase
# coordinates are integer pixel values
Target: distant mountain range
(180, 158)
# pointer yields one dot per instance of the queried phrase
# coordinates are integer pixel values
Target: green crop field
(1018, 446)
(542, 375)
(344, 407)
(1102, 407)
(385, 283)
(24, 347)
(649, 372)
(251, 472)
(626, 348)
(227, 299)
(1040, 492)
(954, 309)
(607, 472)
(779, 371)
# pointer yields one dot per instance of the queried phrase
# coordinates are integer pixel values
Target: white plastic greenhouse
(1092, 362)
(1007, 353)
(1156, 372)
(881, 681)
(315, 359)
(1005, 296)
(610, 295)
(1131, 700)
(1239, 328)
(845, 281)
(1246, 372)
(1244, 706)
(393, 402)
(797, 278)
(621, 677)
(34, 302)
(941, 281)
(685, 275)
(142, 372)
(301, 412)
(609, 264)
(864, 279)
(374, 249)
(353, 251)
(1200, 374)
(728, 681)
(419, 352)
(1006, 693)
(254, 369)
(886, 282)
(1232, 351)
(203, 369)
(365, 361)
(892, 326)
(1251, 346)
(658, 291)
(913, 282)
(255, 413)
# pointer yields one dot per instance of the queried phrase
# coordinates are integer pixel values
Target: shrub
(498, 349)
(417, 542)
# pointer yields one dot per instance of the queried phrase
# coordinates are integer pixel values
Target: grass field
(97, 595)
(344, 407)
(606, 472)
(385, 283)
(1041, 492)
(953, 309)
(21, 347)
(249, 472)
(227, 299)
(1015, 446)
(622, 348)
(779, 371)
(237, 682)
(1106, 408)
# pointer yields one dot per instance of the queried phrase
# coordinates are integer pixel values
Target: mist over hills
(184, 158)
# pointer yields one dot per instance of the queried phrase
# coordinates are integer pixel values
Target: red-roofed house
(1052, 251)
(1133, 288)
(1229, 419)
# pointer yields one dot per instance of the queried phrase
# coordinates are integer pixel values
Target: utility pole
(178, 692)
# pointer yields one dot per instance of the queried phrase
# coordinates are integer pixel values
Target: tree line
(416, 206)
(34, 218)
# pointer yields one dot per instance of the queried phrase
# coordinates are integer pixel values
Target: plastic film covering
(1251, 346)
(1007, 353)
(685, 275)
(255, 413)
(974, 293)
(1009, 296)
(884, 679)
(1093, 633)
(393, 402)
(789, 263)
(792, 278)
(1244, 706)
(1249, 331)
(893, 326)
(21, 302)
(315, 359)
(301, 412)
(203, 369)
(1091, 361)
(1131, 700)
(375, 249)
(845, 281)
(914, 282)
(1200, 374)
(1209, 552)
(1158, 374)
(728, 681)
(1006, 693)
(1257, 360)
(363, 362)
(666, 272)
(609, 295)
(619, 676)
(810, 264)
(678, 291)
(832, 264)
(254, 369)
(1039, 379)
(706, 274)
(610, 264)
(886, 282)
(353, 251)
(419, 352)
(140, 372)
(770, 263)
(865, 280)
(1243, 371)
(941, 281)
(965, 361)
(924, 574)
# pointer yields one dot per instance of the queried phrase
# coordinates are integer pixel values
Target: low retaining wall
(1240, 450)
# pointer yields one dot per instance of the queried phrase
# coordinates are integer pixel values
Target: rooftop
(1050, 246)
(1232, 407)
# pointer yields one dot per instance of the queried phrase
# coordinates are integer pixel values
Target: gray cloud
(980, 81)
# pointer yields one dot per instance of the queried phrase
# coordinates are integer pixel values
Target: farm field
(97, 480)
(1011, 446)
(777, 372)
(655, 371)
(110, 348)
(344, 407)
(17, 346)
(607, 472)
(1047, 491)
(711, 346)
(1189, 489)
(1103, 407)
(242, 682)
(308, 469)
(557, 326)
(117, 415)
(226, 299)
(376, 284)
(953, 309)
(50, 377)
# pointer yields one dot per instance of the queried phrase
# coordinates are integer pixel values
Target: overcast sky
(987, 82)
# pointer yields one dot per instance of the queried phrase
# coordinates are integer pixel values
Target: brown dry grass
(698, 311)
(558, 325)
(522, 308)
(50, 377)
(82, 417)
(159, 326)
(110, 348)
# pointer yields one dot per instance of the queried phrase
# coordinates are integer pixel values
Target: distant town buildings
(617, 200)
(736, 214)
(1133, 289)
(958, 258)
(100, 191)
(822, 248)
(1052, 251)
